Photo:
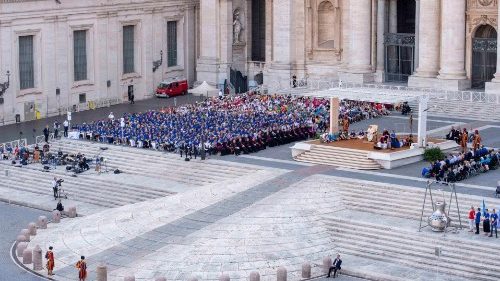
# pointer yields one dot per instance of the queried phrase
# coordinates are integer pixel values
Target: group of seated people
(391, 141)
(461, 166)
(24, 154)
(226, 125)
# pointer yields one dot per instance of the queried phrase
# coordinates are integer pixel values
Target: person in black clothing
(335, 266)
(59, 206)
(46, 133)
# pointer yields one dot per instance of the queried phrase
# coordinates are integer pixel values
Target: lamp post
(4, 86)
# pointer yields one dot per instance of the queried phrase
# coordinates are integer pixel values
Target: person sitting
(59, 206)
(394, 141)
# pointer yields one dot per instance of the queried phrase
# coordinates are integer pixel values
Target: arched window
(326, 25)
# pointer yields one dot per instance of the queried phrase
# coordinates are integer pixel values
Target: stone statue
(237, 27)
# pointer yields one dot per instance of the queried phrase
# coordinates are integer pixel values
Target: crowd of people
(457, 167)
(226, 125)
(489, 220)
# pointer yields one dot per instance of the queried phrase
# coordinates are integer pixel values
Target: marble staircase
(340, 157)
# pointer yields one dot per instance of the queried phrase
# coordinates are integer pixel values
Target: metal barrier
(14, 143)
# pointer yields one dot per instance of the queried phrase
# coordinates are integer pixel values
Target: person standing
(478, 219)
(494, 223)
(50, 261)
(476, 143)
(335, 266)
(56, 130)
(464, 137)
(486, 222)
(55, 188)
(66, 127)
(472, 216)
(46, 133)
(82, 269)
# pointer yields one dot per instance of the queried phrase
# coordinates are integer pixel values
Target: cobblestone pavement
(12, 219)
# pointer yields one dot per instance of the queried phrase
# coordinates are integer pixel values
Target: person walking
(49, 255)
(55, 188)
(56, 129)
(486, 222)
(66, 127)
(478, 219)
(472, 216)
(335, 266)
(494, 223)
(82, 269)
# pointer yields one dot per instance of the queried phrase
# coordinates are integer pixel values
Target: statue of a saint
(237, 27)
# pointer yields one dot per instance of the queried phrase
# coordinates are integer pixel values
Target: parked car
(174, 88)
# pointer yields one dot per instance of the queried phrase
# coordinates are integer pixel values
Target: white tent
(204, 90)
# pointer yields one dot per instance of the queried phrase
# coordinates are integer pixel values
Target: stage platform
(360, 154)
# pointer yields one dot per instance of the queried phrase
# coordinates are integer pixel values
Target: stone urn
(438, 221)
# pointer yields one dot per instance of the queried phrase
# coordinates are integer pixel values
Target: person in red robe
(82, 269)
(50, 261)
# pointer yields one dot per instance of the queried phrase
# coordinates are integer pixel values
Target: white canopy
(204, 90)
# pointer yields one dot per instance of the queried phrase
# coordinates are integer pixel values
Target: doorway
(484, 56)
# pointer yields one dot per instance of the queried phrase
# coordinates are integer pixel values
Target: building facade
(81, 54)
(445, 44)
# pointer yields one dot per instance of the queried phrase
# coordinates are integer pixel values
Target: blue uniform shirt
(478, 217)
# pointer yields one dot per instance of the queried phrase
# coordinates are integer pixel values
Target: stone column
(207, 66)
(334, 115)
(429, 42)
(37, 258)
(102, 273)
(497, 74)
(360, 37)
(381, 29)
(393, 16)
(417, 34)
(453, 45)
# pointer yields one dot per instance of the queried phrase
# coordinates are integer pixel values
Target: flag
(484, 208)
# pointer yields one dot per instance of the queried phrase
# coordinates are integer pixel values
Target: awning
(204, 90)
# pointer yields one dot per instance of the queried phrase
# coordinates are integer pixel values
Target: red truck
(168, 89)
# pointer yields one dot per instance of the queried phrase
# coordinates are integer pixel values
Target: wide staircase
(461, 109)
(382, 226)
(91, 190)
(340, 157)
(146, 162)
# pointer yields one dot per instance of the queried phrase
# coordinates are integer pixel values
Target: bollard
(192, 278)
(160, 279)
(327, 262)
(254, 276)
(26, 234)
(72, 212)
(32, 228)
(37, 258)
(224, 277)
(281, 274)
(129, 278)
(27, 256)
(56, 216)
(21, 238)
(42, 222)
(21, 246)
(102, 273)
(306, 270)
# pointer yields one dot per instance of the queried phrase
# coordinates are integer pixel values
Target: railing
(41, 139)
(14, 143)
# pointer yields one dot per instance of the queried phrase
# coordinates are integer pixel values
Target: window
(26, 65)
(128, 49)
(259, 30)
(80, 55)
(326, 23)
(171, 43)
(82, 98)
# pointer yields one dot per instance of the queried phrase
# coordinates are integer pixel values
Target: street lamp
(4, 86)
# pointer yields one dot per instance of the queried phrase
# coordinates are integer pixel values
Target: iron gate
(399, 56)
(239, 81)
(484, 59)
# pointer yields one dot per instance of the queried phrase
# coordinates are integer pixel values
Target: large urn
(438, 221)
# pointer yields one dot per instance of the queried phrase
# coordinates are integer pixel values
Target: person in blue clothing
(478, 219)
(493, 223)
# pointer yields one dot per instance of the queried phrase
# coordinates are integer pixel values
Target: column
(393, 16)
(334, 115)
(497, 74)
(428, 39)
(360, 37)
(381, 29)
(283, 44)
(417, 34)
(453, 40)
(207, 66)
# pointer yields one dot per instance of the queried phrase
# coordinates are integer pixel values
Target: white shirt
(111, 116)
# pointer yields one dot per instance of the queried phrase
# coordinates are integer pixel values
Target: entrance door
(399, 56)
(238, 80)
(130, 92)
(484, 56)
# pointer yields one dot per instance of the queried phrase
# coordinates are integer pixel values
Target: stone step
(336, 163)
(340, 158)
(388, 245)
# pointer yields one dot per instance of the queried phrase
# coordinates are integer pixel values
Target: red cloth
(472, 214)
(50, 260)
